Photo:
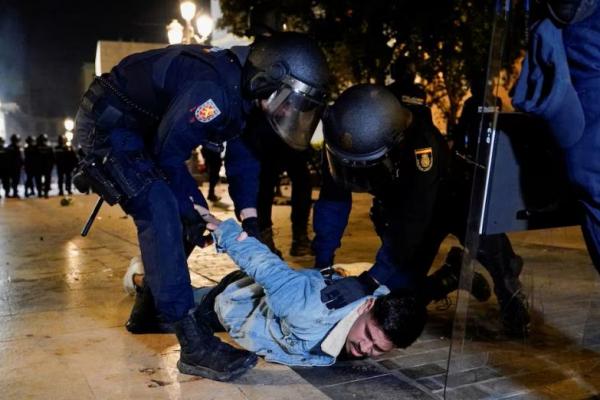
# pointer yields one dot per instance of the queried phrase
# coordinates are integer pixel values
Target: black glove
(250, 226)
(193, 230)
(342, 292)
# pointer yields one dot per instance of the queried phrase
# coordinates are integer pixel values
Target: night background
(43, 45)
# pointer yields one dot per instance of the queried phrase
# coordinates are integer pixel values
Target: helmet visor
(360, 176)
(293, 115)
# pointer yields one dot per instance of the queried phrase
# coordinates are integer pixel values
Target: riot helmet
(15, 139)
(30, 141)
(288, 74)
(362, 130)
(571, 11)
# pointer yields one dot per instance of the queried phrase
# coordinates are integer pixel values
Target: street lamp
(177, 33)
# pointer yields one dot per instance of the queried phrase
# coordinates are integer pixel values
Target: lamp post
(178, 33)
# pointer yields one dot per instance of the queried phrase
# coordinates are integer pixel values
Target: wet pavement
(62, 311)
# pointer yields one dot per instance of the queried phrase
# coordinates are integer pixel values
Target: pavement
(62, 311)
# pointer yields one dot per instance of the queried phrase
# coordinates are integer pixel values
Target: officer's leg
(15, 180)
(268, 179)
(68, 181)
(47, 181)
(38, 184)
(60, 176)
(297, 168)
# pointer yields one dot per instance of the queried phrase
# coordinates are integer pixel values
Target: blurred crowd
(33, 164)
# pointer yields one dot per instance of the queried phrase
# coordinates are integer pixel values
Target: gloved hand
(342, 292)
(250, 226)
(193, 229)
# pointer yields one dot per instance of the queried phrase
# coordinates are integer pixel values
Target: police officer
(4, 167)
(66, 161)
(374, 144)
(138, 125)
(560, 82)
(276, 156)
(45, 156)
(15, 163)
(32, 167)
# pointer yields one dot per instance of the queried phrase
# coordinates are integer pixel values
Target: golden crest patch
(424, 159)
(207, 111)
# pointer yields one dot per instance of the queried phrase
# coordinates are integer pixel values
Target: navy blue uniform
(177, 99)
(403, 213)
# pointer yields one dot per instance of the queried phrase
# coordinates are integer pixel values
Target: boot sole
(215, 375)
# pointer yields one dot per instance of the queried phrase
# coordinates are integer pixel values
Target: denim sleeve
(284, 288)
(242, 169)
(330, 217)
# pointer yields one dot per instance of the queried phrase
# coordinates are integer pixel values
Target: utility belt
(115, 176)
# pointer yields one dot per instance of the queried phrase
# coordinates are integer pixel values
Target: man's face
(366, 338)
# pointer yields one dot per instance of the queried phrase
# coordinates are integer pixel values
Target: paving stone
(466, 393)
(423, 371)
(431, 384)
(344, 371)
(471, 376)
(384, 387)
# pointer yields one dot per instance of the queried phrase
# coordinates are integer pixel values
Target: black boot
(301, 244)
(266, 237)
(514, 307)
(144, 316)
(203, 354)
(446, 279)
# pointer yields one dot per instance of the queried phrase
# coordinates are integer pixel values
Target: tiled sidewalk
(62, 312)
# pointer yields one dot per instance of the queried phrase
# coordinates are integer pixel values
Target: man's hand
(342, 292)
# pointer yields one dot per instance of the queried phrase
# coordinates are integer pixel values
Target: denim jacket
(277, 312)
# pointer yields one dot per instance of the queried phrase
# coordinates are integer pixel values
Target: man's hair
(401, 314)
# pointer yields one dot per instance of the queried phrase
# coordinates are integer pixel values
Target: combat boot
(301, 244)
(514, 307)
(144, 317)
(266, 237)
(205, 355)
(446, 279)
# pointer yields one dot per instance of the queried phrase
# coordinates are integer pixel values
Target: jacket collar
(336, 338)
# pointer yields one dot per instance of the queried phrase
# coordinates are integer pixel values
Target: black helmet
(364, 126)
(42, 139)
(15, 138)
(289, 72)
(29, 140)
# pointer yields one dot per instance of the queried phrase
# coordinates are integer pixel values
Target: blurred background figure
(46, 162)
(66, 161)
(213, 162)
(15, 163)
(4, 168)
(32, 167)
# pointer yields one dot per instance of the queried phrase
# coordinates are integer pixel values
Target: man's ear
(366, 306)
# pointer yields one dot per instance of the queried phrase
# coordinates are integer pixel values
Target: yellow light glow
(204, 25)
(175, 32)
(69, 124)
(188, 10)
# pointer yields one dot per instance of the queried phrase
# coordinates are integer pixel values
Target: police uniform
(406, 214)
(15, 163)
(138, 125)
(4, 168)
(66, 161)
(32, 167)
(45, 155)
(275, 157)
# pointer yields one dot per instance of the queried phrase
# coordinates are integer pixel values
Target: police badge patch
(207, 111)
(424, 159)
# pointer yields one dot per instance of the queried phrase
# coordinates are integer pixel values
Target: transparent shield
(538, 335)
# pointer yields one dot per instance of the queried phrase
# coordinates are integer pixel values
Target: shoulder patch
(424, 159)
(207, 111)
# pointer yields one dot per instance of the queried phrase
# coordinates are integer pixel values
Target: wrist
(368, 282)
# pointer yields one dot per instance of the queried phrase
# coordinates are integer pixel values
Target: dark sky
(43, 45)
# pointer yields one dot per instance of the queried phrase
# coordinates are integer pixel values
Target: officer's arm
(242, 169)
(330, 217)
(409, 224)
(284, 287)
